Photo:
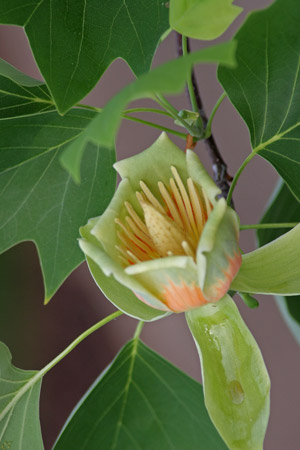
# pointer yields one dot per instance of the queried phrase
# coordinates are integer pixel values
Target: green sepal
(250, 301)
(273, 268)
(202, 19)
(235, 380)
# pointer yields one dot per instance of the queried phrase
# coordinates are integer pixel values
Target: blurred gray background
(36, 333)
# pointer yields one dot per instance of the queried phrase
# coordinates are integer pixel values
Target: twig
(219, 166)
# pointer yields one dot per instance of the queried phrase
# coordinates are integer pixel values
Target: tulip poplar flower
(169, 237)
(166, 234)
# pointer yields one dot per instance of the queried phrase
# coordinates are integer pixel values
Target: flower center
(171, 227)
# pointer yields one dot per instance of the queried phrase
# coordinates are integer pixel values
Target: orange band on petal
(218, 290)
(183, 297)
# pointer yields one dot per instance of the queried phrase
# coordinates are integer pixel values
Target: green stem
(138, 330)
(163, 102)
(189, 79)
(211, 118)
(92, 108)
(136, 119)
(237, 176)
(151, 110)
(77, 341)
(262, 226)
(127, 111)
(31, 382)
(155, 125)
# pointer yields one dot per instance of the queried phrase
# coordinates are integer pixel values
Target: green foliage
(96, 34)
(236, 381)
(283, 207)
(20, 94)
(19, 406)
(141, 401)
(202, 19)
(169, 78)
(265, 86)
(39, 200)
(250, 301)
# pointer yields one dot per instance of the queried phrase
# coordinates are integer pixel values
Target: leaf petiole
(261, 226)
(138, 330)
(189, 78)
(155, 125)
(212, 115)
(56, 360)
(164, 103)
(136, 119)
(237, 176)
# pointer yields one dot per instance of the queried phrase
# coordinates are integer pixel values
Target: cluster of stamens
(170, 228)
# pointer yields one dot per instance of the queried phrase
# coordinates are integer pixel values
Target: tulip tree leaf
(202, 19)
(38, 199)
(19, 406)
(265, 86)
(141, 401)
(283, 208)
(20, 94)
(169, 78)
(96, 33)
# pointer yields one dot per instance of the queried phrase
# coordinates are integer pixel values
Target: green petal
(94, 251)
(199, 175)
(218, 256)
(273, 268)
(235, 380)
(122, 297)
(153, 165)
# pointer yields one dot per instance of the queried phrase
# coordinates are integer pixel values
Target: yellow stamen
(186, 199)
(169, 202)
(187, 248)
(151, 197)
(170, 228)
(196, 204)
(136, 218)
(207, 203)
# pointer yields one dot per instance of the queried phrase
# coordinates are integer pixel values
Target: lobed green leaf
(19, 406)
(75, 42)
(39, 201)
(141, 401)
(265, 86)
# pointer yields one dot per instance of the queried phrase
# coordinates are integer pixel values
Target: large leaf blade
(39, 200)
(19, 405)
(141, 401)
(96, 32)
(169, 78)
(20, 94)
(265, 86)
